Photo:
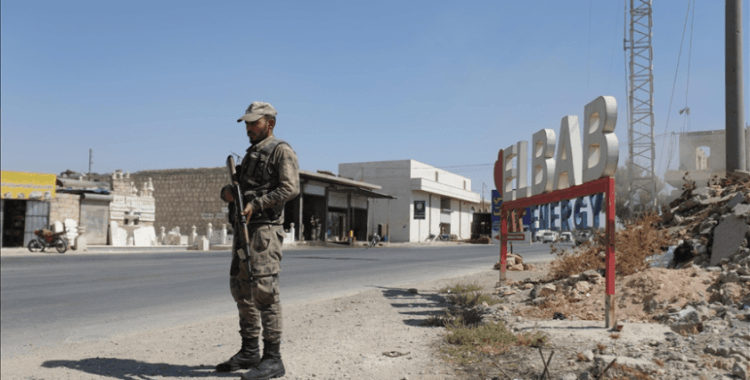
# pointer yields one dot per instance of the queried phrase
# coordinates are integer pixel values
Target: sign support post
(609, 299)
(503, 220)
(503, 245)
(604, 185)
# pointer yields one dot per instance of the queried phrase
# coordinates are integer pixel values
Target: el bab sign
(575, 162)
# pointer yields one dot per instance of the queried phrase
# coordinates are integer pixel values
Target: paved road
(57, 299)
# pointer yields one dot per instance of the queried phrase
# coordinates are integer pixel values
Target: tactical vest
(258, 178)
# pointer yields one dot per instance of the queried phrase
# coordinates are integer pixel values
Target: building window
(445, 204)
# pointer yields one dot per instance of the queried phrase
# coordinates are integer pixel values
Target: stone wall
(65, 206)
(187, 197)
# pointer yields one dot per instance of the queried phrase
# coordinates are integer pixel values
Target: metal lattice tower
(641, 174)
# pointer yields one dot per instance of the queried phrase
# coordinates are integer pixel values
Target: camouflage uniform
(269, 177)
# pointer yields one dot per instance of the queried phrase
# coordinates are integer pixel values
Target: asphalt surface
(48, 300)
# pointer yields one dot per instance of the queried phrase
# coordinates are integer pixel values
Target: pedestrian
(268, 178)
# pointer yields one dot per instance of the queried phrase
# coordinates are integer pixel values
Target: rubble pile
(702, 295)
(706, 335)
(515, 263)
(711, 222)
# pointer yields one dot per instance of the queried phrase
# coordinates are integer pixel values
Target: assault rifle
(233, 195)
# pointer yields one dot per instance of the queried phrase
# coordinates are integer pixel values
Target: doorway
(14, 221)
(336, 228)
(313, 217)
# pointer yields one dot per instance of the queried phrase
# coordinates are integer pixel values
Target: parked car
(549, 237)
(538, 234)
(566, 237)
(582, 236)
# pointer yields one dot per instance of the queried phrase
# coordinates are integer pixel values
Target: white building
(447, 197)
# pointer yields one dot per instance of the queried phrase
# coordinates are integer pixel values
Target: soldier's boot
(247, 357)
(270, 366)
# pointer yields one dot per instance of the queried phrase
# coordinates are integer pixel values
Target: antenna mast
(641, 174)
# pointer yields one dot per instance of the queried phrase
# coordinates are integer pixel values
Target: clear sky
(160, 84)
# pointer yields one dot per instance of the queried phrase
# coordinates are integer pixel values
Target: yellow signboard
(34, 186)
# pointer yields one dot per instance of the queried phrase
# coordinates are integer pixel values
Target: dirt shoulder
(376, 334)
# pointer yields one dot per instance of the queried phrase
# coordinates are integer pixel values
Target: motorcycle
(45, 238)
(375, 240)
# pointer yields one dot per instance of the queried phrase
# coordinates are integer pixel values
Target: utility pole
(641, 147)
(481, 207)
(735, 120)
(91, 155)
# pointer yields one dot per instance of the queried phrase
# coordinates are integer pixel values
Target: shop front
(24, 206)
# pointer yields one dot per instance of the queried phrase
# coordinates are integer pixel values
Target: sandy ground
(341, 338)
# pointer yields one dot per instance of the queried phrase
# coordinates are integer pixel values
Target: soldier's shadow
(128, 369)
(421, 308)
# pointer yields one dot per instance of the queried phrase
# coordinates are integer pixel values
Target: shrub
(640, 239)
(460, 288)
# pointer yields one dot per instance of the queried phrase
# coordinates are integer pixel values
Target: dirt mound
(640, 297)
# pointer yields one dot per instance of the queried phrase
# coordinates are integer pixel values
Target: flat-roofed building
(430, 201)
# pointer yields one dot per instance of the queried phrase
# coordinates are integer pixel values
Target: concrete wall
(65, 206)
(692, 158)
(393, 177)
(421, 170)
(692, 141)
(430, 224)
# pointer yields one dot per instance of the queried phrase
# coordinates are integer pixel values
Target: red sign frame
(603, 185)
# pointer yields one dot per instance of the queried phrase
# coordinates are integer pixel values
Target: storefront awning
(360, 191)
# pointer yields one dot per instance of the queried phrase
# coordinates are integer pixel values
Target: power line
(612, 57)
(588, 67)
(674, 83)
(690, 55)
(463, 166)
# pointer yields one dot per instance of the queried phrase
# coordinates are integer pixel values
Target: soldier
(268, 178)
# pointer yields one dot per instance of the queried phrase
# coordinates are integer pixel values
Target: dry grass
(467, 297)
(468, 337)
(581, 357)
(659, 362)
(640, 238)
(601, 347)
(469, 317)
(460, 287)
(468, 344)
(472, 299)
(615, 336)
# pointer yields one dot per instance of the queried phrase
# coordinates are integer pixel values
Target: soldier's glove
(226, 194)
